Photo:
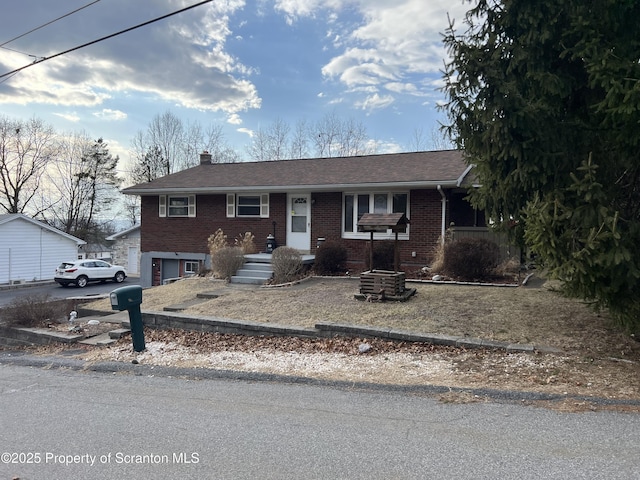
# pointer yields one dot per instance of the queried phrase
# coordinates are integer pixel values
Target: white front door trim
(299, 221)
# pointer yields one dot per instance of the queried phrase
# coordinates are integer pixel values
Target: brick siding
(181, 234)
(178, 234)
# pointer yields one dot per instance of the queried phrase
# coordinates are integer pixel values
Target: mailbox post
(129, 298)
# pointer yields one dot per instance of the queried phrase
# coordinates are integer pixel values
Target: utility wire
(48, 23)
(18, 51)
(105, 38)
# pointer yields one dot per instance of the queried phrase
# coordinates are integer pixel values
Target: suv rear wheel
(82, 281)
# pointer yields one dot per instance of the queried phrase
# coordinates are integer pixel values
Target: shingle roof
(426, 169)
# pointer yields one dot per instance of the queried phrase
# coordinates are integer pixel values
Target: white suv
(82, 272)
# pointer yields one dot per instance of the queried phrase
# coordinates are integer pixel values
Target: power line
(18, 51)
(48, 23)
(105, 38)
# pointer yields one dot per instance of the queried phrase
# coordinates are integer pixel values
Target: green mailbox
(129, 298)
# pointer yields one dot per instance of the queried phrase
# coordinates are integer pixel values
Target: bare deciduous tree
(335, 137)
(299, 146)
(64, 193)
(437, 140)
(26, 148)
(270, 143)
(169, 145)
(418, 142)
(82, 183)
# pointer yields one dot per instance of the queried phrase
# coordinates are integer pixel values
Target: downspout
(443, 226)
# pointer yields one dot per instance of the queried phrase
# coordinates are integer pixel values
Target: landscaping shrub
(470, 258)
(36, 311)
(331, 259)
(383, 255)
(286, 263)
(246, 242)
(437, 262)
(509, 267)
(226, 261)
(217, 241)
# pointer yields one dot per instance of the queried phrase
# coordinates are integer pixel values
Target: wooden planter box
(375, 281)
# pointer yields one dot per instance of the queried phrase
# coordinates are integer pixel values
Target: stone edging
(166, 320)
(162, 320)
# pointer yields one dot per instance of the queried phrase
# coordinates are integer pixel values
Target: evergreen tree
(544, 98)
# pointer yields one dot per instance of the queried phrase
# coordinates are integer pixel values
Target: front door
(299, 222)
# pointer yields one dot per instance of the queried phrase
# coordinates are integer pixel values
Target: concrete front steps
(254, 273)
(257, 269)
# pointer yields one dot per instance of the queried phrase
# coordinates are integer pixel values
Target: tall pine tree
(544, 98)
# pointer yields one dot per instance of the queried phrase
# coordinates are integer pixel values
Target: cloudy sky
(237, 63)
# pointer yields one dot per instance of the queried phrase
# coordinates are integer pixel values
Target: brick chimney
(205, 158)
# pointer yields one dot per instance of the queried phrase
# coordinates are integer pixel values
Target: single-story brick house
(300, 201)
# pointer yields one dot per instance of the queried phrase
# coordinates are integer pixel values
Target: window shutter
(192, 205)
(264, 205)
(231, 205)
(162, 206)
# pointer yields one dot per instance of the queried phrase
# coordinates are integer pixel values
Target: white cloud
(234, 119)
(248, 131)
(108, 114)
(387, 147)
(375, 102)
(293, 9)
(181, 60)
(394, 44)
(408, 88)
(71, 117)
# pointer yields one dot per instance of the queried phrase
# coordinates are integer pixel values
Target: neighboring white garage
(31, 250)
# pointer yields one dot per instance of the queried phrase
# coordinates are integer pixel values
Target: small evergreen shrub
(331, 259)
(226, 261)
(36, 310)
(286, 263)
(470, 258)
(383, 255)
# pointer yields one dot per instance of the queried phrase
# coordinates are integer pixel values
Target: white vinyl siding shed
(31, 250)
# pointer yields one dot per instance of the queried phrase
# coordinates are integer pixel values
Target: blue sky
(240, 64)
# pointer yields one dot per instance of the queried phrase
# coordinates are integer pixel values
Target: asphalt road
(56, 291)
(63, 420)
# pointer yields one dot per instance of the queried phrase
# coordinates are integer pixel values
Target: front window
(177, 206)
(248, 205)
(356, 205)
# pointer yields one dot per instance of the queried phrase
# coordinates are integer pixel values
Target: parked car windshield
(65, 265)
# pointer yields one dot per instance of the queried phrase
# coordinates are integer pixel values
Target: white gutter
(464, 174)
(443, 226)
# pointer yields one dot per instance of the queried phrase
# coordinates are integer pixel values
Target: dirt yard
(596, 359)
